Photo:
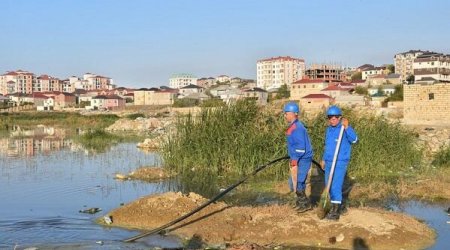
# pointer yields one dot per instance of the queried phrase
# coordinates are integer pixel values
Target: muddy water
(46, 179)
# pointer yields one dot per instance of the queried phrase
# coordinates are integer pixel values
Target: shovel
(324, 203)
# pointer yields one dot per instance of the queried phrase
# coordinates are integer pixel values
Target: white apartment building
(274, 72)
(436, 66)
(404, 63)
(178, 81)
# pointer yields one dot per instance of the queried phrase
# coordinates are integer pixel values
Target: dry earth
(274, 225)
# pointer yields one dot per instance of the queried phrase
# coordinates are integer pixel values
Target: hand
(322, 164)
(344, 122)
(293, 163)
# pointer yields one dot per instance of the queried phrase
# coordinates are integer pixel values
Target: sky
(141, 43)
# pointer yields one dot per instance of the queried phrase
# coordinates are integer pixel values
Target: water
(45, 180)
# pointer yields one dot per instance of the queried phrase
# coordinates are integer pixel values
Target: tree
(391, 68)
(360, 90)
(283, 92)
(410, 79)
(357, 76)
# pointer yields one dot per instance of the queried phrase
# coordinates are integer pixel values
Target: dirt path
(274, 225)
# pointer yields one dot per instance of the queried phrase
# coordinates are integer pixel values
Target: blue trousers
(303, 168)
(338, 180)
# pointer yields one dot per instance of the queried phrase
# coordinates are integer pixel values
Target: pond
(46, 179)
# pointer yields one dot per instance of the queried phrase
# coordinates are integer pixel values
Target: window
(431, 96)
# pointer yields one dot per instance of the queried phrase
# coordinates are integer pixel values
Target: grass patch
(100, 141)
(442, 158)
(134, 116)
(61, 119)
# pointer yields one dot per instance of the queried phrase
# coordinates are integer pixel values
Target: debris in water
(107, 219)
(99, 242)
(448, 211)
(91, 210)
(121, 177)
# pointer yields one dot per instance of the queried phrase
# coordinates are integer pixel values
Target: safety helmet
(291, 107)
(334, 110)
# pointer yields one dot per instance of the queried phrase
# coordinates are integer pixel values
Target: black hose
(214, 199)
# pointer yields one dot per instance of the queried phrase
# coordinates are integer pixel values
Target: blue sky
(140, 43)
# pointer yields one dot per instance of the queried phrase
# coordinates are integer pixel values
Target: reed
(234, 139)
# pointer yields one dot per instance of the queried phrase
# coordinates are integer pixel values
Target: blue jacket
(298, 142)
(331, 137)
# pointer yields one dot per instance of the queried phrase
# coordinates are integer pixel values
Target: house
(314, 102)
(335, 90)
(374, 71)
(190, 89)
(386, 90)
(62, 99)
(376, 80)
(223, 79)
(107, 102)
(259, 94)
(393, 79)
(197, 96)
(44, 104)
(350, 100)
(155, 96)
(305, 87)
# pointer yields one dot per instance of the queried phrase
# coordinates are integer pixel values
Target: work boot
(302, 204)
(334, 212)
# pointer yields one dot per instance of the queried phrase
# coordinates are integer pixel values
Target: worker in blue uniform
(349, 137)
(300, 154)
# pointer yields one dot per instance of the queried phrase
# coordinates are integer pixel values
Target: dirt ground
(273, 226)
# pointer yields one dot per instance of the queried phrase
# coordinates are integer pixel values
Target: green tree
(410, 79)
(391, 68)
(283, 92)
(360, 90)
(357, 76)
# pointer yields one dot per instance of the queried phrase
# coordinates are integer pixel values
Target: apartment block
(274, 72)
(404, 62)
(154, 96)
(178, 81)
(19, 81)
(325, 72)
(432, 66)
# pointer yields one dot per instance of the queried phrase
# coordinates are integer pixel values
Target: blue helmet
(291, 107)
(334, 110)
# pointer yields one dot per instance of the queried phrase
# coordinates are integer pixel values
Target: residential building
(350, 100)
(178, 81)
(19, 81)
(190, 89)
(260, 95)
(325, 72)
(386, 90)
(376, 80)
(315, 102)
(436, 66)
(305, 87)
(154, 96)
(404, 63)
(374, 71)
(277, 71)
(223, 79)
(206, 82)
(335, 90)
(46, 83)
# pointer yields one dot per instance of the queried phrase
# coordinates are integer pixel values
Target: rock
(120, 177)
(91, 210)
(340, 237)
(107, 220)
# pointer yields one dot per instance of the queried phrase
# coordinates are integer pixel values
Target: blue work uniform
(299, 150)
(349, 137)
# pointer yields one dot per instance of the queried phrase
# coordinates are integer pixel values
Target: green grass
(61, 119)
(442, 158)
(100, 141)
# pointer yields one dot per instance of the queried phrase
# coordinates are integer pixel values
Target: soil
(269, 226)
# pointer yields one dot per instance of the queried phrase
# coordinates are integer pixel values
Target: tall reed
(234, 139)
